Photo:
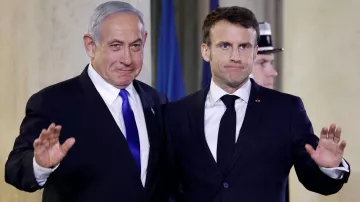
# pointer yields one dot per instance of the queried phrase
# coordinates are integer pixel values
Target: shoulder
(280, 99)
(56, 93)
(189, 102)
(143, 87)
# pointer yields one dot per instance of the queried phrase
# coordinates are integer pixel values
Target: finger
(309, 149)
(38, 147)
(37, 143)
(45, 144)
(324, 133)
(51, 127)
(55, 136)
(53, 141)
(67, 145)
(342, 145)
(337, 135)
(43, 135)
(57, 131)
(51, 131)
(331, 131)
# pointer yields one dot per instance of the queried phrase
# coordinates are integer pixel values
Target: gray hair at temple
(109, 8)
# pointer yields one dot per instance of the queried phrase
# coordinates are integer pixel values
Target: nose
(273, 72)
(126, 57)
(235, 55)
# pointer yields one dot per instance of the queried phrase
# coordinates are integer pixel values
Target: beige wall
(41, 44)
(321, 65)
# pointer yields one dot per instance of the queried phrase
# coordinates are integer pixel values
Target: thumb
(309, 149)
(67, 145)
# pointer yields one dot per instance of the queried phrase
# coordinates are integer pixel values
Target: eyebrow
(121, 42)
(137, 41)
(222, 42)
(226, 42)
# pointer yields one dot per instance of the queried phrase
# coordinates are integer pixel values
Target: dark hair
(234, 14)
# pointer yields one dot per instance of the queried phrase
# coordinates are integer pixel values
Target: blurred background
(41, 44)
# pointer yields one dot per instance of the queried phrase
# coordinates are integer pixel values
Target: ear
(256, 49)
(205, 52)
(89, 45)
(145, 37)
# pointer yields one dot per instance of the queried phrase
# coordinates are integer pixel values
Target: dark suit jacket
(99, 167)
(272, 139)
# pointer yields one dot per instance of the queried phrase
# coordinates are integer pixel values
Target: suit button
(226, 185)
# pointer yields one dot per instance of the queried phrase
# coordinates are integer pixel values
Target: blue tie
(132, 135)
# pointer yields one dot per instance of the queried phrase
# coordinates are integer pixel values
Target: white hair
(109, 8)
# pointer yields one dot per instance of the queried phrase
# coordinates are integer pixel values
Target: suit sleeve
(308, 172)
(19, 169)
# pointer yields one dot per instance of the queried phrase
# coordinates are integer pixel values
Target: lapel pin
(257, 100)
(152, 110)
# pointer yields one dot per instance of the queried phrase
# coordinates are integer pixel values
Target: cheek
(137, 62)
(248, 58)
(267, 70)
(112, 57)
(138, 58)
(259, 71)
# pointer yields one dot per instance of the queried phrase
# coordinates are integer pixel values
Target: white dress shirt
(215, 108)
(110, 95)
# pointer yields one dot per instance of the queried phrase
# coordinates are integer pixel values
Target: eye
(225, 46)
(244, 46)
(136, 46)
(115, 46)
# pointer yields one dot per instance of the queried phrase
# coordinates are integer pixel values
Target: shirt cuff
(42, 174)
(337, 172)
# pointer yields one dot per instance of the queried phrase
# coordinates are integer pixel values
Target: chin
(270, 86)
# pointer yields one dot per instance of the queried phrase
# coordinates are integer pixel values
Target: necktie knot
(229, 100)
(123, 94)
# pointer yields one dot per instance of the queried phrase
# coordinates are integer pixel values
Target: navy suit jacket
(272, 139)
(99, 167)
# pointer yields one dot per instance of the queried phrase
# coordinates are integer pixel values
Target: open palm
(329, 152)
(47, 149)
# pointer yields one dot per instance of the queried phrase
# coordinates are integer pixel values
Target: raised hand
(47, 150)
(329, 152)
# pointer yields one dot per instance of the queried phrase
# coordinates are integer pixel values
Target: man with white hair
(114, 119)
(264, 72)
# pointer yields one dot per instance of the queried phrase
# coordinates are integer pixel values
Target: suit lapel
(151, 114)
(251, 120)
(95, 106)
(196, 117)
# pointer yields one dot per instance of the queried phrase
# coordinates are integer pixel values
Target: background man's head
(115, 42)
(264, 72)
(230, 36)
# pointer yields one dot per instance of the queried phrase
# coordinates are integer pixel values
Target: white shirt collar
(215, 92)
(107, 91)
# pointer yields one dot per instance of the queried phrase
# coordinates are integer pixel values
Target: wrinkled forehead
(121, 28)
(121, 22)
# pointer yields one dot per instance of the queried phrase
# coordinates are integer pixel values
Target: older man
(98, 136)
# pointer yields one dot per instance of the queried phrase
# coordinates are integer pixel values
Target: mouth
(123, 70)
(234, 67)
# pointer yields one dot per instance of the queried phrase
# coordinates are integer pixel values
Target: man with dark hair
(237, 141)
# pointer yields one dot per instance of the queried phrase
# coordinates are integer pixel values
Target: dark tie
(132, 135)
(227, 132)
